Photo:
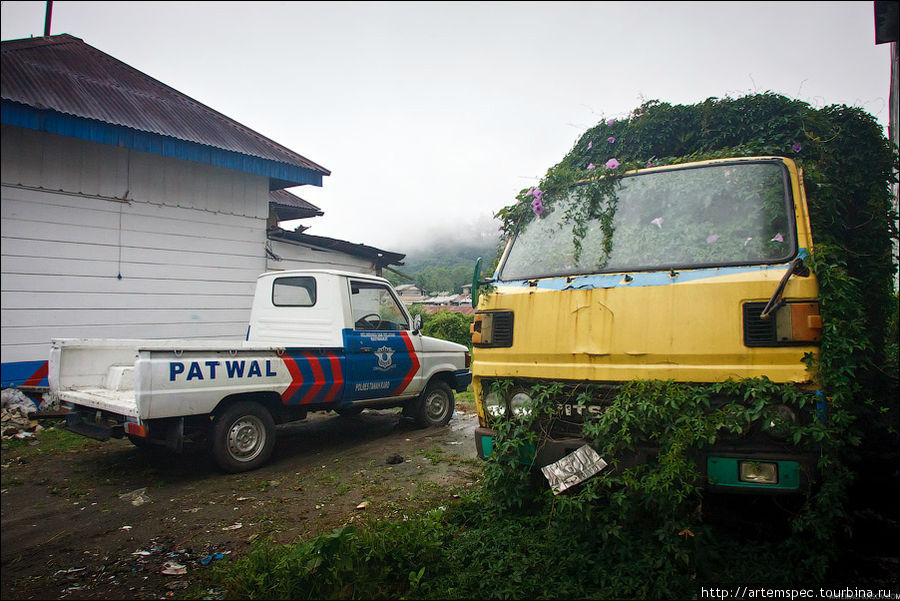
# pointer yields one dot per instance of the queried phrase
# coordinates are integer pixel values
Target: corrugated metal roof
(64, 75)
(290, 206)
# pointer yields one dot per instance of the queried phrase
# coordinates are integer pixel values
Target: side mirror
(475, 278)
(417, 324)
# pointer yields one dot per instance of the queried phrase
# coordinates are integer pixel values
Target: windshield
(715, 215)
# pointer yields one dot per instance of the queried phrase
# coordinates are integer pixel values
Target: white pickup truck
(317, 341)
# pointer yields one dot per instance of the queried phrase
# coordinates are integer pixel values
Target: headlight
(494, 405)
(520, 404)
(779, 427)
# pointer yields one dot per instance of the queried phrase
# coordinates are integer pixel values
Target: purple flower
(590, 145)
(712, 239)
(610, 121)
(610, 139)
(649, 164)
(612, 164)
(537, 206)
(796, 147)
(590, 166)
(658, 222)
(536, 192)
(778, 238)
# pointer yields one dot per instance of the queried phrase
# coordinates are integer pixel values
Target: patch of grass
(50, 441)
(435, 455)
(327, 479)
(465, 401)
(264, 485)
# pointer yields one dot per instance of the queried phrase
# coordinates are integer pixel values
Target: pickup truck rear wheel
(435, 406)
(243, 437)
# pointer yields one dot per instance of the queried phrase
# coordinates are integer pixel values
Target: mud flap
(75, 423)
(175, 435)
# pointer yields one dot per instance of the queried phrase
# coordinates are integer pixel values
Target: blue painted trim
(281, 175)
(16, 373)
(641, 279)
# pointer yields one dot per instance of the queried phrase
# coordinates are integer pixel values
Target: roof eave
(281, 175)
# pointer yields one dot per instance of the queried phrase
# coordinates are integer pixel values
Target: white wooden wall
(187, 240)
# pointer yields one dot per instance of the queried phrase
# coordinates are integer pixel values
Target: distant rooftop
(58, 84)
(381, 258)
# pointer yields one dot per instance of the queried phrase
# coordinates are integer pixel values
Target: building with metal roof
(58, 84)
(130, 210)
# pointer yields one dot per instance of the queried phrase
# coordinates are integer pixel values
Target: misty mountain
(445, 266)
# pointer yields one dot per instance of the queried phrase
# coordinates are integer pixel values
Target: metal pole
(47, 19)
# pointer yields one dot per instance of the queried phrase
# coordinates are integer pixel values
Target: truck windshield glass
(716, 215)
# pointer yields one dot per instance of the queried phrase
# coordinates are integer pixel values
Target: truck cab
(693, 273)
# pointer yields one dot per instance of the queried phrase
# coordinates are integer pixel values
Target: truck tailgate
(120, 402)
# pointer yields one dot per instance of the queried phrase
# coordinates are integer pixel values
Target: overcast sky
(432, 116)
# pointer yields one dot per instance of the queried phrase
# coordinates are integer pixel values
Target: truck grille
(503, 328)
(758, 332)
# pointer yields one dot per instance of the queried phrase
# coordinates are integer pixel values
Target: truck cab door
(383, 357)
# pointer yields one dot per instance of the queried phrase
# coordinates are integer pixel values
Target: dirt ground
(106, 522)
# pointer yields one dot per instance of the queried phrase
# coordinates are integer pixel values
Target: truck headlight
(758, 472)
(779, 427)
(494, 405)
(520, 404)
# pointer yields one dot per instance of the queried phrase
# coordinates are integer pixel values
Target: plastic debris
(136, 497)
(212, 557)
(172, 568)
(363, 505)
(573, 469)
(14, 421)
(233, 526)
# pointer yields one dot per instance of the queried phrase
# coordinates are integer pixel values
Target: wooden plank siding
(187, 239)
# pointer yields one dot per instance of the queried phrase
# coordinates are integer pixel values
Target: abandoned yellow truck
(694, 273)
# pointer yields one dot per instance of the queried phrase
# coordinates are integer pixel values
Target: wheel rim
(246, 438)
(436, 406)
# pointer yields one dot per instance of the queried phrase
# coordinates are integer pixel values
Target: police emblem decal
(384, 355)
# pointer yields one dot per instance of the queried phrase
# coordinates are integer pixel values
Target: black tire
(243, 437)
(350, 411)
(435, 406)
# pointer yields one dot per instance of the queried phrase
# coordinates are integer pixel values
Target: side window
(375, 308)
(294, 292)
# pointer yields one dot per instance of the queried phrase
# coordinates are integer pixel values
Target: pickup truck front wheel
(243, 437)
(435, 406)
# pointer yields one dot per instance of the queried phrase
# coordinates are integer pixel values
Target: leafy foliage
(446, 325)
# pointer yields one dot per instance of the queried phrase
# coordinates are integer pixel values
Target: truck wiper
(796, 267)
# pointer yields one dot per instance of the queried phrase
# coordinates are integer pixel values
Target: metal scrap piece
(573, 469)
